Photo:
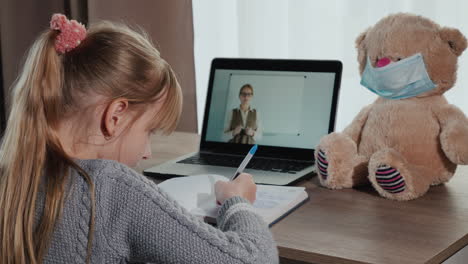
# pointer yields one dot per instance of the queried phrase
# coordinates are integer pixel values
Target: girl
(86, 102)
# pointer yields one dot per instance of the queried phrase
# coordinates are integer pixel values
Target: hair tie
(71, 33)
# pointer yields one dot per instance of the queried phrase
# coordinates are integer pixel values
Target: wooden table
(357, 225)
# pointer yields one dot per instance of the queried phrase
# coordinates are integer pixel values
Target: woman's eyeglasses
(246, 94)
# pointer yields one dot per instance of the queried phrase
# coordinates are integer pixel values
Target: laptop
(283, 106)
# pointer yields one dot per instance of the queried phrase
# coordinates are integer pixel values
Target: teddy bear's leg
(338, 163)
(394, 178)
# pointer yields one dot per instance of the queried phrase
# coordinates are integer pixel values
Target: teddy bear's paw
(337, 162)
(394, 178)
(390, 179)
(331, 175)
(322, 165)
(453, 140)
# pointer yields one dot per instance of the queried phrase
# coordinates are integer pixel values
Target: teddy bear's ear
(360, 40)
(361, 50)
(454, 39)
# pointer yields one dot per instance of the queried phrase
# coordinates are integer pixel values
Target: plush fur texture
(422, 137)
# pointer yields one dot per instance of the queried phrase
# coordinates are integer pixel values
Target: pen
(244, 162)
(243, 165)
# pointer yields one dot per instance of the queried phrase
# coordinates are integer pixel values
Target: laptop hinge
(258, 157)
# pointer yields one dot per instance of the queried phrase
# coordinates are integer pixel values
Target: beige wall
(170, 26)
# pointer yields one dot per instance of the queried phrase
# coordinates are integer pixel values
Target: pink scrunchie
(71, 33)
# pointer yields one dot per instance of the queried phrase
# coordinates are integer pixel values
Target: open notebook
(196, 194)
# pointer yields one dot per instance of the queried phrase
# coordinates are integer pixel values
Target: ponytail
(30, 149)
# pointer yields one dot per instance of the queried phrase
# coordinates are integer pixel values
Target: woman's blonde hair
(114, 61)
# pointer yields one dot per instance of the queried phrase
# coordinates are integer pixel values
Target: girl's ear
(114, 117)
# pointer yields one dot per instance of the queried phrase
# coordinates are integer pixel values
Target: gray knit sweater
(137, 222)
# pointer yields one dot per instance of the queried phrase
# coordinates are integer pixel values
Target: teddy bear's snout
(383, 62)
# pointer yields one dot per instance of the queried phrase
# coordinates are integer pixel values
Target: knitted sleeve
(142, 224)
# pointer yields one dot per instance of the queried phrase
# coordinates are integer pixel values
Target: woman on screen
(244, 125)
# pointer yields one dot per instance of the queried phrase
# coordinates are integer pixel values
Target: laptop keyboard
(256, 163)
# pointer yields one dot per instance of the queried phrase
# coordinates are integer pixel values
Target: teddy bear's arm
(453, 133)
(353, 130)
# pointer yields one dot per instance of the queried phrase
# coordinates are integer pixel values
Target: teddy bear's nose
(383, 62)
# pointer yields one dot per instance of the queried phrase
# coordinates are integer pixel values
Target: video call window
(275, 108)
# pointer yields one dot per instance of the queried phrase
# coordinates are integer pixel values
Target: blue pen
(243, 165)
(245, 162)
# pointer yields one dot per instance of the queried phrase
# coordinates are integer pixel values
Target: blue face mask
(399, 80)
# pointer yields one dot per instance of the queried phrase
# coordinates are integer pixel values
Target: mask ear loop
(368, 63)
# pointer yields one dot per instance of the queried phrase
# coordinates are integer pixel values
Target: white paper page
(196, 194)
(273, 201)
(272, 196)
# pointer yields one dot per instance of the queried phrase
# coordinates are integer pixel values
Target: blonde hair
(114, 61)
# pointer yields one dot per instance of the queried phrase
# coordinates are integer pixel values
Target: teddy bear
(410, 137)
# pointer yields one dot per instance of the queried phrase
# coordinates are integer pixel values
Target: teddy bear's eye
(398, 59)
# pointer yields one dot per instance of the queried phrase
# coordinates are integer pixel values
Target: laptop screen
(283, 107)
(272, 108)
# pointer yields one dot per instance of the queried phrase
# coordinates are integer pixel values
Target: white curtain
(311, 29)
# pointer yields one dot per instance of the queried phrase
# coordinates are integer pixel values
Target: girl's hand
(242, 186)
(249, 131)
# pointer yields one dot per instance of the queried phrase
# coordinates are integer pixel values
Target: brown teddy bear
(410, 138)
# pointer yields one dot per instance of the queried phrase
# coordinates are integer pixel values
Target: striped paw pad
(322, 164)
(390, 179)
